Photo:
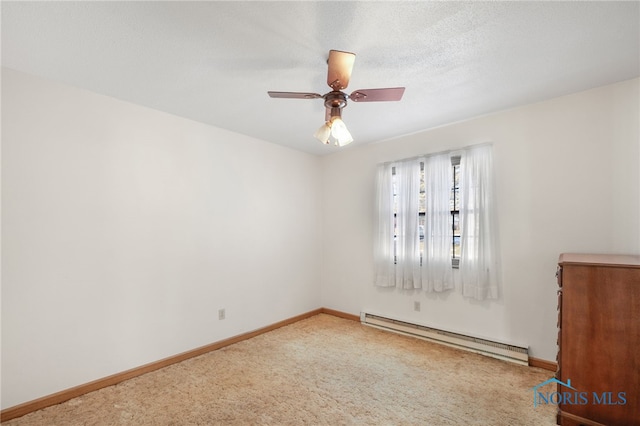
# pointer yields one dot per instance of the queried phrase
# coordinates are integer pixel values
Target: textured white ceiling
(215, 61)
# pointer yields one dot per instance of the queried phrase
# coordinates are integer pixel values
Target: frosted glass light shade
(339, 132)
(323, 133)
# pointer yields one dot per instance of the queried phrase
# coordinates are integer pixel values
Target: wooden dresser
(599, 339)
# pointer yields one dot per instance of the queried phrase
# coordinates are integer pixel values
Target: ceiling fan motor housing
(335, 99)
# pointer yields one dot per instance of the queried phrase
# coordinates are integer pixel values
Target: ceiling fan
(340, 67)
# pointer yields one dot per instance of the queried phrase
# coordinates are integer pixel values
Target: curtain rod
(449, 151)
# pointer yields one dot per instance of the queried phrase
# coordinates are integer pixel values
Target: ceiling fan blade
(294, 95)
(377, 95)
(340, 67)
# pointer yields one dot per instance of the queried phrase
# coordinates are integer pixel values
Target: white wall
(567, 181)
(125, 229)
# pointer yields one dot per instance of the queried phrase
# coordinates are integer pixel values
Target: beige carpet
(320, 371)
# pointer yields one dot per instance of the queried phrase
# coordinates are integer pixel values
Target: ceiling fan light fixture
(334, 130)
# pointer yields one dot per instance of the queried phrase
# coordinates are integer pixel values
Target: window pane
(421, 225)
(395, 197)
(395, 238)
(456, 224)
(422, 207)
(455, 249)
(455, 189)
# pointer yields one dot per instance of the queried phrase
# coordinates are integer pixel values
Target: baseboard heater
(512, 353)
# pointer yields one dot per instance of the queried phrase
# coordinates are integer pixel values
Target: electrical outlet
(416, 306)
(221, 314)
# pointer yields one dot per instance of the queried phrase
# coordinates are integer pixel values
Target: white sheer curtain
(479, 273)
(436, 268)
(397, 260)
(383, 242)
(397, 254)
(407, 178)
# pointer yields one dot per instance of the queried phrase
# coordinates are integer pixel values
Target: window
(433, 214)
(454, 201)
